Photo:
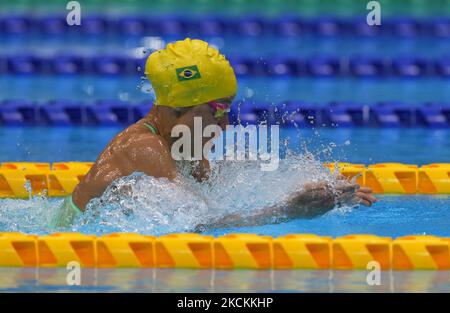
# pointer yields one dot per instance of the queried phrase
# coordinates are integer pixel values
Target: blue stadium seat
(433, 115)
(251, 26)
(211, 26)
(337, 116)
(169, 26)
(101, 114)
(406, 114)
(344, 114)
(249, 66)
(53, 25)
(76, 111)
(285, 67)
(386, 114)
(3, 64)
(404, 27)
(10, 114)
(312, 115)
(442, 66)
(94, 25)
(18, 113)
(68, 64)
(323, 66)
(112, 65)
(367, 67)
(440, 27)
(24, 64)
(289, 26)
(55, 113)
(326, 26)
(410, 67)
(131, 25)
(16, 25)
(291, 113)
(445, 108)
(360, 27)
(152, 27)
(122, 110)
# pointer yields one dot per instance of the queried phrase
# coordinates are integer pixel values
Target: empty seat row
(213, 26)
(318, 66)
(69, 64)
(338, 114)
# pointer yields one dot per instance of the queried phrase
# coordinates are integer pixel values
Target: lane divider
(60, 178)
(232, 251)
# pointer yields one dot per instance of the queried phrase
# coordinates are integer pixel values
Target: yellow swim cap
(188, 73)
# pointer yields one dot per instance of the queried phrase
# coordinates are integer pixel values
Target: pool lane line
(60, 178)
(232, 251)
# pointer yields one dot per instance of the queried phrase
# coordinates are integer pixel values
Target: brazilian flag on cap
(170, 69)
(188, 73)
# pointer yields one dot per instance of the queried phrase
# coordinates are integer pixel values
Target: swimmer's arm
(314, 200)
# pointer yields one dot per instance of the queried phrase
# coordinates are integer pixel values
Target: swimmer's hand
(362, 195)
(318, 198)
(365, 196)
(322, 195)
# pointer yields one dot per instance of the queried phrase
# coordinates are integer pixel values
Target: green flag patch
(188, 73)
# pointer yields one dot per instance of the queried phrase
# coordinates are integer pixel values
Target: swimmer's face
(211, 113)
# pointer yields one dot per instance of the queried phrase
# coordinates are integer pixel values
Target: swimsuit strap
(152, 128)
(73, 205)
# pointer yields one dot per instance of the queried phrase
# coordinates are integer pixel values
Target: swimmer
(190, 79)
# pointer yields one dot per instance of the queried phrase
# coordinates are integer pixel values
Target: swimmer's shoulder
(149, 153)
(136, 149)
(140, 136)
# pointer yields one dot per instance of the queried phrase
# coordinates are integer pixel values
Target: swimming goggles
(220, 108)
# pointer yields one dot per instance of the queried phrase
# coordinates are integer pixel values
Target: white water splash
(139, 203)
(144, 204)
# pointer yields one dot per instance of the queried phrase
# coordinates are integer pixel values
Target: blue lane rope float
(60, 178)
(288, 114)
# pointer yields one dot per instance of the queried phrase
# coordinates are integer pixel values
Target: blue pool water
(412, 92)
(355, 145)
(242, 188)
(266, 46)
(392, 216)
